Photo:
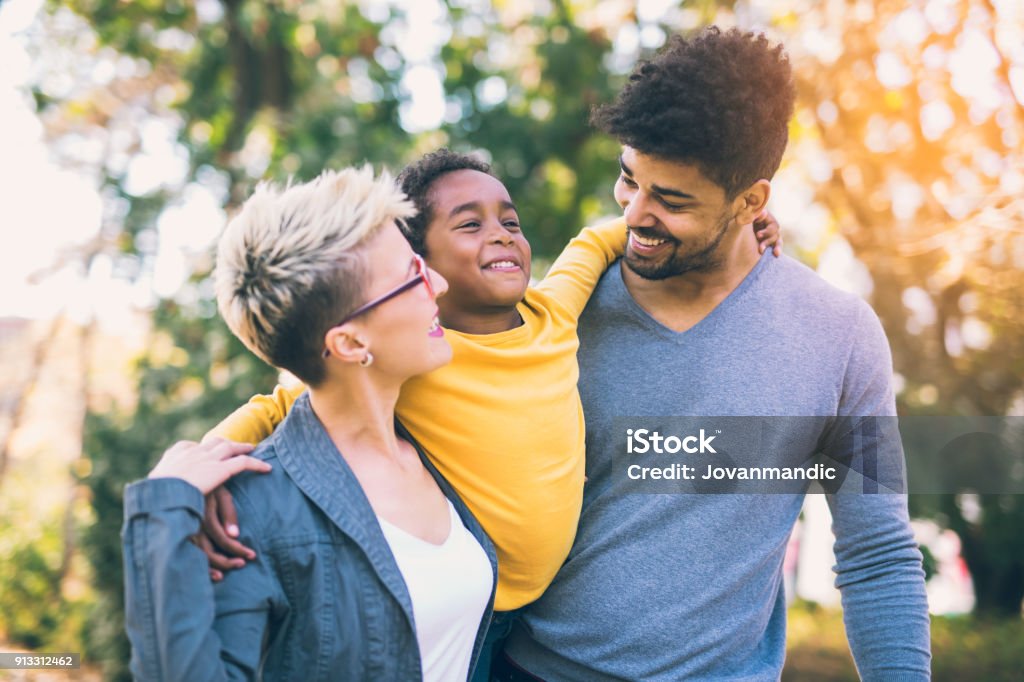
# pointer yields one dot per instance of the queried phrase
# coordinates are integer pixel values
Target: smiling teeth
(502, 264)
(644, 241)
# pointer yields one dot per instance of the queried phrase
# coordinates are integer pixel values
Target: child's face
(475, 242)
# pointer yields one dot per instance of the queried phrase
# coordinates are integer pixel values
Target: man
(689, 586)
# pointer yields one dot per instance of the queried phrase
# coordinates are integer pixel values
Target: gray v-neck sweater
(689, 586)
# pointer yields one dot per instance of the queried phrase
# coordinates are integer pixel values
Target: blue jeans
(494, 642)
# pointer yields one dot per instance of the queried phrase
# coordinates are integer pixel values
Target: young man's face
(475, 242)
(677, 217)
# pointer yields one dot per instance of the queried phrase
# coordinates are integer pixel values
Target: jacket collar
(313, 462)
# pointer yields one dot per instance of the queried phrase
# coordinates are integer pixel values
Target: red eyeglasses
(422, 275)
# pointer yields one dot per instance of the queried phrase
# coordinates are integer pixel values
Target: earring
(367, 360)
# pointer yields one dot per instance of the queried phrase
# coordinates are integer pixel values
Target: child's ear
(751, 202)
(346, 343)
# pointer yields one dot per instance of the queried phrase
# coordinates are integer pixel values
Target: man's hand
(768, 233)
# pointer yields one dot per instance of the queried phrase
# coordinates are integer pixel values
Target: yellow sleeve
(575, 273)
(258, 418)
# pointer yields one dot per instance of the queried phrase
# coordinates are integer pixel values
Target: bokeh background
(130, 130)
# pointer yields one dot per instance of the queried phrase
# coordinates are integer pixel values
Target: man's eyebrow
(663, 191)
(667, 192)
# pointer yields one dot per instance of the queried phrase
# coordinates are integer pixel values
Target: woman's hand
(768, 233)
(208, 464)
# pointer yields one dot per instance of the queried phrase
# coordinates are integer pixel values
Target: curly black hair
(418, 177)
(720, 100)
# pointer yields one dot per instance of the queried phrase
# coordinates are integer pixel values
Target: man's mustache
(651, 233)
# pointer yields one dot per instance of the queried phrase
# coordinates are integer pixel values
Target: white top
(450, 585)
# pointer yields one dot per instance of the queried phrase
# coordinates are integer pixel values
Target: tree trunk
(39, 355)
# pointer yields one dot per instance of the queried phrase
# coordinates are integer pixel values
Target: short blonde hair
(289, 265)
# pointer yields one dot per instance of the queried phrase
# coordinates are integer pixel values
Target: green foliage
(929, 563)
(972, 648)
(941, 269)
(963, 647)
(195, 374)
(816, 647)
(542, 147)
(993, 545)
(34, 613)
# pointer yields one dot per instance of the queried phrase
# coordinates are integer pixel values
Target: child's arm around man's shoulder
(575, 273)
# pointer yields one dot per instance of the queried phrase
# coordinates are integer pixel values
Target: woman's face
(402, 333)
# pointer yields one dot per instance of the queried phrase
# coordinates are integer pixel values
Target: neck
(357, 412)
(480, 322)
(703, 289)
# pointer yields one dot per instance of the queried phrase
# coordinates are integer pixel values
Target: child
(505, 412)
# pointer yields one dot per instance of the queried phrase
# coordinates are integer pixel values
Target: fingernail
(232, 530)
(251, 554)
(238, 563)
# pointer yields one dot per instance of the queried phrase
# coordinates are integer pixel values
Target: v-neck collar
(647, 320)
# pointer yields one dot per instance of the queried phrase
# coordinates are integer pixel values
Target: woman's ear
(751, 202)
(346, 343)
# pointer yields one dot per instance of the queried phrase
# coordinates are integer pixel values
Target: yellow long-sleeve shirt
(503, 421)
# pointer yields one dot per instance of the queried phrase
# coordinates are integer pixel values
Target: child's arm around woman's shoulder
(251, 423)
(257, 419)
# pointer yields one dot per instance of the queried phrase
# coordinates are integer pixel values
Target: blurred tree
(520, 83)
(922, 135)
(523, 91)
(922, 178)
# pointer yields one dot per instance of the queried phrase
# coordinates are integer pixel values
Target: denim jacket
(322, 600)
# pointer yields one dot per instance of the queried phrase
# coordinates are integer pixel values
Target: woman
(339, 503)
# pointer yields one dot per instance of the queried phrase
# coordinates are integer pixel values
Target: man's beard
(681, 260)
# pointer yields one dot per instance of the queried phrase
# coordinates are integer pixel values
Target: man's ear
(751, 202)
(346, 343)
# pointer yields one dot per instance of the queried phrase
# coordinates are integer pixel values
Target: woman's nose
(437, 282)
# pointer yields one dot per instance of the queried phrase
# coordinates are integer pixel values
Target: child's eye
(469, 224)
(673, 207)
(512, 225)
(628, 181)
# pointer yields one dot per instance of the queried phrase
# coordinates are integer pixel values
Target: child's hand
(768, 233)
(207, 465)
(218, 533)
